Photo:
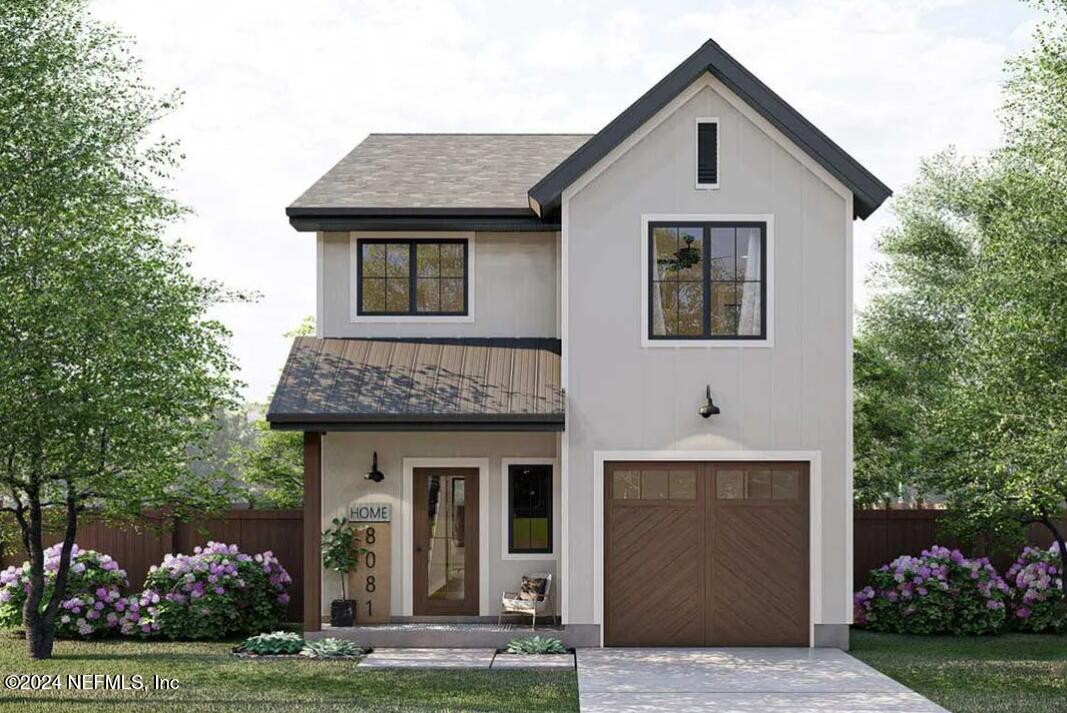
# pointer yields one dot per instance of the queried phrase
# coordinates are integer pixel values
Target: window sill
(412, 319)
(647, 343)
(530, 557)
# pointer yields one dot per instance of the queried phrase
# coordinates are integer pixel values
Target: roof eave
(311, 219)
(416, 422)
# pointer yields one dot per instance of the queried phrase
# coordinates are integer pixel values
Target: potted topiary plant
(340, 553)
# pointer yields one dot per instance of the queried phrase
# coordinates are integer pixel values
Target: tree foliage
(110, 364)
(973, 310)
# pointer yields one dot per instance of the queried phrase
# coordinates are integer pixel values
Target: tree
(274, 463)
(274, 466)
(109, 364)
(218, 462)
(992, 306)
(907, 338)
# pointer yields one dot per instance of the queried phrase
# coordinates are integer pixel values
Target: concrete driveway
(735, 680)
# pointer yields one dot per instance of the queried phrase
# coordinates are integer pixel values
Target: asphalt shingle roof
(440, 171)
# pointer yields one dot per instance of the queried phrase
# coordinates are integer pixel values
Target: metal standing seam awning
(388, 384)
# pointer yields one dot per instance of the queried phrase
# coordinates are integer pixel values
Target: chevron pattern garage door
(706, 554)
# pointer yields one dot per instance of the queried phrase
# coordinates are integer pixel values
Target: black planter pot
(342, 612)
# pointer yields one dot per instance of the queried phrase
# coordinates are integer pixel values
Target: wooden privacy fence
(880, 536)
(253, 531)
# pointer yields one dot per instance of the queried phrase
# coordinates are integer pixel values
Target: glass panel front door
(446, 559)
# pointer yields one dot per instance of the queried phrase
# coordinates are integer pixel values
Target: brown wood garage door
(706, 554)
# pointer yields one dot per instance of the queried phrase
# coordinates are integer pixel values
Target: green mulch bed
(1010, 673)
(212, 679)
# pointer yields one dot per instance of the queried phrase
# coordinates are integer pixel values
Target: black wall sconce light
(708, 408)
(374, 474)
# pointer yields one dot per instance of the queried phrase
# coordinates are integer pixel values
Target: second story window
(707, 281)
(412, 277)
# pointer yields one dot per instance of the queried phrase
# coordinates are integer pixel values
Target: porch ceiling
(420, 384)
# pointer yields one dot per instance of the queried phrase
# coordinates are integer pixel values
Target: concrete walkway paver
(429, 658)
(539, 661)
(735, 680)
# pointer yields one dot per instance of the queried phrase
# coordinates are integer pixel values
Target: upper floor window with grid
(412, 277)
(707, 281)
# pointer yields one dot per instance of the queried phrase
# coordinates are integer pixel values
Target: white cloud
(276, 92)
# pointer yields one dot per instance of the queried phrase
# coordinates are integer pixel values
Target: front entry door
(446, 541)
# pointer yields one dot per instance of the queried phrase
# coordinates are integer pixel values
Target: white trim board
(814, 459)
(407, 533)
(353, 275)
(504, 494)
(767, 218)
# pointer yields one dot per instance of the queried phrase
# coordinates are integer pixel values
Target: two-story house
(623, 359)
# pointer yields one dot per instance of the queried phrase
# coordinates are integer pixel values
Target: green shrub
(95, 601)
(1038, 603)
(536, 645)
(276, 643)
(938, 592)
(331, 649)
(214, 593)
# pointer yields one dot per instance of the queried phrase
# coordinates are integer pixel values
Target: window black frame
(413, 297)
(714, 151)
(706, 228)
(550, 470)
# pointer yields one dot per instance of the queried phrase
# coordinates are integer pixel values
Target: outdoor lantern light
(374, 474)
(708, 408)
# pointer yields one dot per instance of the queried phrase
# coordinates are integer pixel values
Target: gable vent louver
(707, 153)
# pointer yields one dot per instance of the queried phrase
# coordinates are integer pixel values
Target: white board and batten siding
(791, 395)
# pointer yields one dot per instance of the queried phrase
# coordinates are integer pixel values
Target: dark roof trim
(417, 422)
(300, 211)
(530, 223)
(868, 191)
(548, 344)
(503, 426)
(505, 220)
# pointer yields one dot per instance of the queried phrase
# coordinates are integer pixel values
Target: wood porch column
(312, 531)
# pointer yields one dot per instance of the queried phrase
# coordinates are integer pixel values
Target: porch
(452, 635)
(444, 455)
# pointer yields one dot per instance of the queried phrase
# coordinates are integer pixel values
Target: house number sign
(369, 584)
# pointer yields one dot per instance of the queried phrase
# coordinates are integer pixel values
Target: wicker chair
(512, 603)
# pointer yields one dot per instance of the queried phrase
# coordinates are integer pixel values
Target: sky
(276, 92)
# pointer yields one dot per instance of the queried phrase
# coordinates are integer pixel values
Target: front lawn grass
(212, 679)
(1010, 673)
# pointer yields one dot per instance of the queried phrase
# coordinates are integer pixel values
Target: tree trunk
(40, 634)
(40, 625)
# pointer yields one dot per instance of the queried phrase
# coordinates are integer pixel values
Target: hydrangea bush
(214, 593)
(1038, 603)
(938, 592)
(95, 601)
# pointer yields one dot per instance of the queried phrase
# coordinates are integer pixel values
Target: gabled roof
(391, 384)
(868, 191)
(416, 176)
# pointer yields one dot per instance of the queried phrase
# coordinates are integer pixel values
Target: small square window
(730, 484)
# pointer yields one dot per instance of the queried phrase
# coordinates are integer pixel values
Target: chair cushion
(533, 588)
